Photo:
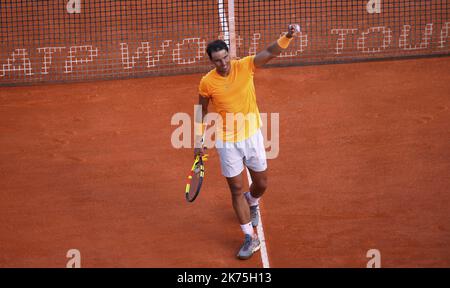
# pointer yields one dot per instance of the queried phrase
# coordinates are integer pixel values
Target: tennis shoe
(250, 246)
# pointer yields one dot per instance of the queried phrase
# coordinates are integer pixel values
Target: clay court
(363, 163)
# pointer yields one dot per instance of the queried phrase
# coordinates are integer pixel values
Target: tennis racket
(195, 179)
(196, 175)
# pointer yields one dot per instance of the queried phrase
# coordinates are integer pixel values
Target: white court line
(223, 22)
(228, 26)
(260, 230)
(232, 28)
(229, 32)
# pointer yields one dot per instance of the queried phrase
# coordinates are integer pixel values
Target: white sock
(252, 201)
(248, 229)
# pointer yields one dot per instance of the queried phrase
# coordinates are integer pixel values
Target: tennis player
(239, 141)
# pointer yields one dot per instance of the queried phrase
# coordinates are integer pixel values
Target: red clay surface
(364, 163)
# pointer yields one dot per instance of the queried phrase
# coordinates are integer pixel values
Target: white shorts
(250, 152)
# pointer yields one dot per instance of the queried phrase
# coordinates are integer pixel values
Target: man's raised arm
(274, 49)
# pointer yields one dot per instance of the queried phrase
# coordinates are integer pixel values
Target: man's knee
(261, 184)
(236, 188)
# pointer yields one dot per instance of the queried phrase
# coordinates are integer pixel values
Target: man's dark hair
(216, 46)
